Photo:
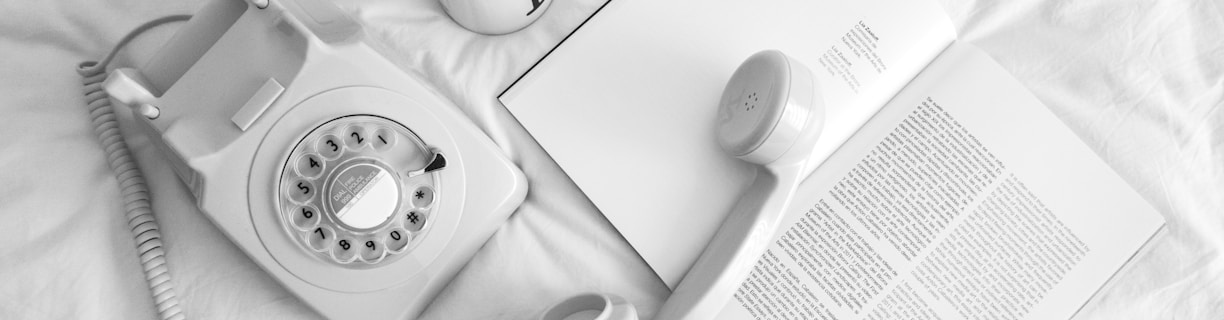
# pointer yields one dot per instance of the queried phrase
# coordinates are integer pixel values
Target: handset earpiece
(770, 114)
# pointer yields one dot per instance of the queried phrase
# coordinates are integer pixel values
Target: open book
(947, 190)
(963, 198)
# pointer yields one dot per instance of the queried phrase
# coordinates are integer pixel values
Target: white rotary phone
(351, 183)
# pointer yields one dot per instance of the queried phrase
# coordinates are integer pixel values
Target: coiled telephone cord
(131, 182)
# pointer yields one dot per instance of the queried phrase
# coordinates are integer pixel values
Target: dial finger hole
(355, 137)
(305, 217)
(372, 250)
(330, 146)
(397, 240)
(383, 139)
(320, 239)
(344, 250)
(310, 166)
(422, 197)
(415, 220)
(300, 190)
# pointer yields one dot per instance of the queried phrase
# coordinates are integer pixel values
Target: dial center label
(363, 195)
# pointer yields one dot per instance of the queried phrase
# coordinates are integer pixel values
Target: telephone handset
(351, 183)
(771, 113)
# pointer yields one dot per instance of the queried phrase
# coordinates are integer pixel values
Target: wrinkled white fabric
(1142, 82)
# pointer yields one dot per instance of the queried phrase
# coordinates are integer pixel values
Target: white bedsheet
(1142, 82)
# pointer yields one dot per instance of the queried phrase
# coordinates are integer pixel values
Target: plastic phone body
(349, 181)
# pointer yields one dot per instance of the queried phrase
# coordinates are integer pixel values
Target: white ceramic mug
(495, 17)
(592, 306)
